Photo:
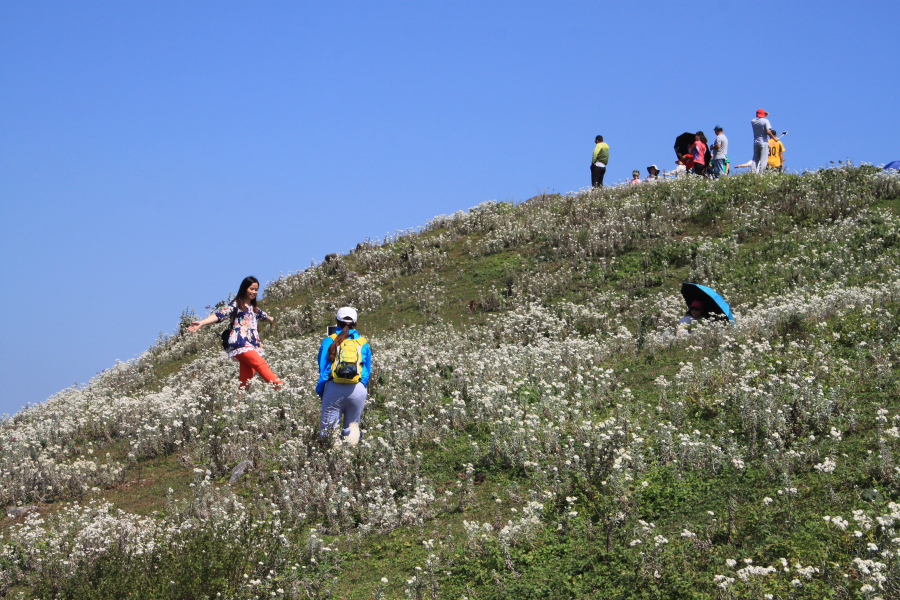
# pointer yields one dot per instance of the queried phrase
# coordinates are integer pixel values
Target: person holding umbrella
(683, 144)
(696, 312)
(703, 303)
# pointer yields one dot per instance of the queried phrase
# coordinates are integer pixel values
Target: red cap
(697, 304)
(761, 113)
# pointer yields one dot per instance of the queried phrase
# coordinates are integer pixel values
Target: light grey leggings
(347, 399)
(760, 158)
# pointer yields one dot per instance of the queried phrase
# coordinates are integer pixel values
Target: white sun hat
(347, 314)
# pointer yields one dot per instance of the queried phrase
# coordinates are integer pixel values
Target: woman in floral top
(243, 343)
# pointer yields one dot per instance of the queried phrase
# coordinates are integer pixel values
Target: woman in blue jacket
(345, 363)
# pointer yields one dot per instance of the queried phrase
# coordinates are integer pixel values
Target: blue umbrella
(893, 165)
(710, 298)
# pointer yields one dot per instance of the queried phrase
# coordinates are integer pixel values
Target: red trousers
(252, 363)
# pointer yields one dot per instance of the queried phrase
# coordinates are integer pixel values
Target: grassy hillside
(533, 428)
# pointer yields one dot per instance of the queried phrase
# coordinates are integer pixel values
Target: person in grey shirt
(762, 129)
(720, 152)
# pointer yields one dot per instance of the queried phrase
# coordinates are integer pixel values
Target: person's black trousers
(597, 174)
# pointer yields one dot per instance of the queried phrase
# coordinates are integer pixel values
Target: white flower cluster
(827, 466)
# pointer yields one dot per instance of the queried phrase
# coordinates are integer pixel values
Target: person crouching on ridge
(241, 341)
(345, 363)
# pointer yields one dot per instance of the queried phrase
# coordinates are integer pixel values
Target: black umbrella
(683, 143)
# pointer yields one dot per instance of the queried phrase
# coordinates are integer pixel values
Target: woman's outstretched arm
(195, 325)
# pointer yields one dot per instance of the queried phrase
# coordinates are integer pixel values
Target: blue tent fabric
(893, 165)
(710, 298)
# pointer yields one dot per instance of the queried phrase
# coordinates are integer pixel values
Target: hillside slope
(533, 428)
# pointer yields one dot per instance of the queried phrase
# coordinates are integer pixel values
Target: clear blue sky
(152, 154)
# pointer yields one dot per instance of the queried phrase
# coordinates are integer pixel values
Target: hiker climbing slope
(345, 363)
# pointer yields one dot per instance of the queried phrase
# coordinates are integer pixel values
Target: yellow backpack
(347, 365)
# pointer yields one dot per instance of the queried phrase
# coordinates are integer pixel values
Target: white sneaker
(353, 436)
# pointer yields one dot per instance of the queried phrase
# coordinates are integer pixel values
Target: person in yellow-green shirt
(599, 159)
(776, 155)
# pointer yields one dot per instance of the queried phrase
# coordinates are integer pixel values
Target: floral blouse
(245, 335)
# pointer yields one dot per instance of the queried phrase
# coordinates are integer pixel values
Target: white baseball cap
(347, 314)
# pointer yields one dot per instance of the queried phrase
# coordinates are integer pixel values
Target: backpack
(226, 334)
(347, 365)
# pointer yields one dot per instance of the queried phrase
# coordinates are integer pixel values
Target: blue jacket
(325, 366)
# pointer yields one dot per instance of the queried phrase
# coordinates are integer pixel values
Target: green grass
(588, 555)
(892, 204)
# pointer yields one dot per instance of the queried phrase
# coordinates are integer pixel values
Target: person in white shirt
(679, 171)
(696, 312)
(720, 152)
(653, 173)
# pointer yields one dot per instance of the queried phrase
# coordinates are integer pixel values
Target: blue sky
(153, 154)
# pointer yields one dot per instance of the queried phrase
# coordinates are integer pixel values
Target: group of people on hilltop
(702, 158)
(344, 359)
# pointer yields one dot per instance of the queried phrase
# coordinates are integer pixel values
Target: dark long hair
(242, 291)
(343, 335)
(702, 137)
